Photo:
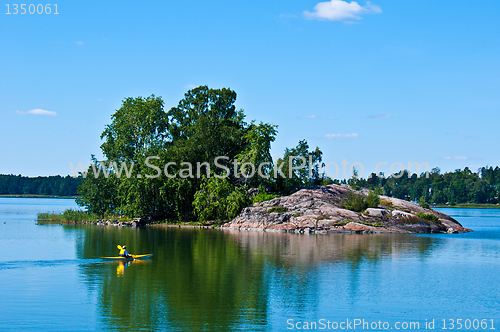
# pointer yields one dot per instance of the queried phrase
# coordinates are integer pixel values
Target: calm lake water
(51, 277)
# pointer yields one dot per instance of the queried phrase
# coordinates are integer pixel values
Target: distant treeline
(458, 187)
(41, 185)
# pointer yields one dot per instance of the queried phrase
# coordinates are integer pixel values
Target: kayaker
(124, 253)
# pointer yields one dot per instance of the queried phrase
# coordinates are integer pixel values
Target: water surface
(51, 277)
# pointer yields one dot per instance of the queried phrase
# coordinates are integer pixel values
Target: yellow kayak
(129, 258)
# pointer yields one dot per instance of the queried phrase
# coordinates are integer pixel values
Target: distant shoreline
(38, 196)
(457, 206)
(468, 206)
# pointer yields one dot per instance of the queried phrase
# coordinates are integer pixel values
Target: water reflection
(308, 273)
(52, 278)
(226, 280)
(308, 250)
(121, 266)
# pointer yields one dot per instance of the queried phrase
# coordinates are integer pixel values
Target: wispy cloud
(460, 132)
(333, 136)
(189, 86)
(380, 116)
(312, 116)
(38, 111)
(339, 10)
(79, 43)
(456, 158)
(331, 118)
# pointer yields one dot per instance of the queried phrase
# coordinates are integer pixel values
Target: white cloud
(339, 10)
(79, 43)
(331, 118)
(381, 116)
(312, 116)
(332, 136)
(38, 111)
(189, 86)
(456, 158)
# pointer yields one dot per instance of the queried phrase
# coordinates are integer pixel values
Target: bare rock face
(377, 212)
(319, 210)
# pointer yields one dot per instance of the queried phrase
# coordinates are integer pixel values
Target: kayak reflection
(122, 266)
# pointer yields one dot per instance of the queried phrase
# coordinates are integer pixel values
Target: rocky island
(321, 210)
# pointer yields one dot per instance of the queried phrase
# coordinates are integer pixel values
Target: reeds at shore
(68, 216)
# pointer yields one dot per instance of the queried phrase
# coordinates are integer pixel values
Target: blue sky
(369, 82)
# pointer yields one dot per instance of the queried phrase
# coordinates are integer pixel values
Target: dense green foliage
(41, 185)
(295, 158)
(358, 202)
(372, 200)
(423, 203)
(171, 160)
(218, 199)
(166, 164)
(458, 187)
(354, 202)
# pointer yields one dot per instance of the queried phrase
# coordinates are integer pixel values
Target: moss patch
(278, 209)
(340, 223)
(375, 224)
(428, 216)
(387, 203)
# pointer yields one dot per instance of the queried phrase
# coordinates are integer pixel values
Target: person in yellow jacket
(124, 253)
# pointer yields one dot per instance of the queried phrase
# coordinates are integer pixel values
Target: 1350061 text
(23, 8)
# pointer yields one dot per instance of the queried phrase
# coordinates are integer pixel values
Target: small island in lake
(331, 209)
(201, 163)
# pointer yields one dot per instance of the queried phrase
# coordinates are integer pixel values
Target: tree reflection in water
(224, 280)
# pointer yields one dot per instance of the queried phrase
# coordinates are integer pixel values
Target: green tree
(98, 194)
(423, 203)
(354, 202)
(356, 182)
(144, 138)
(372, 199)
(218, 199)
(258, 152)
(137, 129)
(205, 125)
(299, 167)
